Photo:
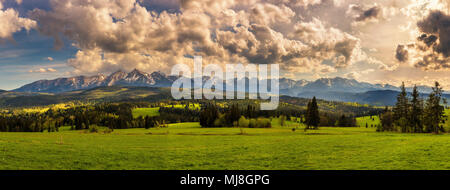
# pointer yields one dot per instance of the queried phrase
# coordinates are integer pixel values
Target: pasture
(371, 121)
(151, 112)
(187, 146)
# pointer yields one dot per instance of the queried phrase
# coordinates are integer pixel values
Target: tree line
(244, 113)
(413, 114)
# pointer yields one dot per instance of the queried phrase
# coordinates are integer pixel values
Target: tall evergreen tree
(401, 109)
(416, 113)
(434, 111)
(312, 115)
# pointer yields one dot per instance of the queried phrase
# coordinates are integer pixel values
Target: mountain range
(134, 78)
(335, 89)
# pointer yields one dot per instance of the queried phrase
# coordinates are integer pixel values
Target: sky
(384, 41)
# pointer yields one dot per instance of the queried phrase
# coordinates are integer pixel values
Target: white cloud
(43, 70)
(10, 23)
(108, 31)
(353, 75)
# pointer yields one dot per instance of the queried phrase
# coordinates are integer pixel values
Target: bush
(108, 131)
(220, 122)
(252, 123)
(282, 120)
(93, 129)
(263, 123)
(243, 123)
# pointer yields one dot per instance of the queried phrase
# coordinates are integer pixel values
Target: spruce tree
(401, 109)
(208, 115)
(434, 111)
(312, 115)
(416, 114)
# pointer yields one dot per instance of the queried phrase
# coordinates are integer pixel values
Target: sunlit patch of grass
(151, 112)
(371, 121)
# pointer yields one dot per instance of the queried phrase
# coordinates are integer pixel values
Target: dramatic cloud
(436, 29)
(326, 43)
(401, 53)
(360, 14)
(10, 23)
(396, 40)
(432, 49)
(122, 34)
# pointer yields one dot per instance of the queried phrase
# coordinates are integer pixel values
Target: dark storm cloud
(434, 42)
(368, 14)
(429, 40)
(401, 53)
(436, 29)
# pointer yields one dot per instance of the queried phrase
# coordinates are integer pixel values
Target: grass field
(151, 112)
(187, 146)
(370, 120)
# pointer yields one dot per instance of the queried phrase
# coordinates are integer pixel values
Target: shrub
(263, 123)
(220, 122)
(243, 123)
(93, 129)
(108, 131)
(217, 123)
(282, 120)
(252, 123)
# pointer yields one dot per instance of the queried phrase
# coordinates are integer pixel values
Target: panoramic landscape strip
(157, 133)
(224, 85)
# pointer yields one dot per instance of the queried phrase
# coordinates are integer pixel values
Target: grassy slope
(361, 121)
(186, 146)
(151, 112)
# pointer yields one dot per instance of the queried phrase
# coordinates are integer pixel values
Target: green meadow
(186, 146)
(151, 112)
(371, 121)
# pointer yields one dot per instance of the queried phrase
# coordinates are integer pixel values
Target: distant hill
(148, 94)
(98, 94)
